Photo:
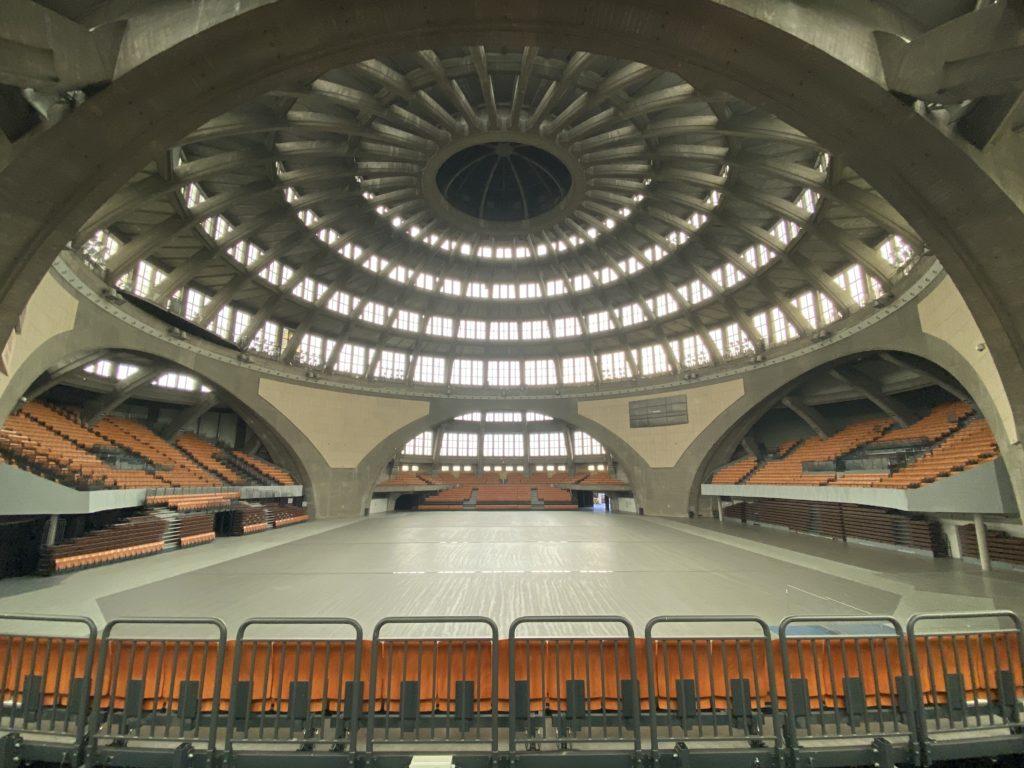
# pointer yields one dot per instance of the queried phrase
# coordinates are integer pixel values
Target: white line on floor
(830, 599)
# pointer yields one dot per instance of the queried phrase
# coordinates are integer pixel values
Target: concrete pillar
(51, 530)
(718, 508)
(952, 532)
(613, 502)
(979, 531)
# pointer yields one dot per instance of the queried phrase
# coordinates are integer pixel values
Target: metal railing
(712, 683)
(308, 690)
(429, 692)
(848, 682)
(153, 689)
(725, 690)
(568, 690)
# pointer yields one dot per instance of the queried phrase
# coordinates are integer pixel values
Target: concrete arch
(733, 424)
(442, 411)
(285, 442)
(62, 176)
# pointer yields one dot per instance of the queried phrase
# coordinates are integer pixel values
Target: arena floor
(508, 564)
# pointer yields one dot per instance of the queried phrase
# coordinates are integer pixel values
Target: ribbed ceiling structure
(480, 205)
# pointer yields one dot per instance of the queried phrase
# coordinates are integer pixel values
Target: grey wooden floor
(508, 564)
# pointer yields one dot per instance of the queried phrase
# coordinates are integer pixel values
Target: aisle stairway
(172, 533)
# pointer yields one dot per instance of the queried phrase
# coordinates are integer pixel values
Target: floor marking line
(830, 599)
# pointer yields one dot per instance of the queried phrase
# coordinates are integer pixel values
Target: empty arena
(481, 383)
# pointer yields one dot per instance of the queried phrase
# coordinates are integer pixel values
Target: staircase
(471, 501)
(535, 502)
(172, 533)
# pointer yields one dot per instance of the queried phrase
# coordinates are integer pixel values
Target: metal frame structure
(694, 691)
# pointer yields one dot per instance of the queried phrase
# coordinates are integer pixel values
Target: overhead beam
(867, 387)
(186, 416)
(929, 371)
(809, 414)
(56, 376)
(101, 406)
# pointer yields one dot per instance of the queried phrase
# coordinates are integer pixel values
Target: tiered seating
(174, 467)
(194, 502)
(449, 498)
(246, 519)
(64, 422)
(860, 479)
(196, 529)
(736, 471)
(275, 473)
(404, 479)
(503, 496)
(790, 470)
(1002, 547)
(837, 521)
(285, 514)
(940, 422)
(129, 538)
(784, 448)
(56, 456)
(205, 453)
(555, 498)
(972, 444)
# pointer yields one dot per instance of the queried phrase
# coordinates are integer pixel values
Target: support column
(718, 508)
(51, 530)
(952, 532)
(979, 531)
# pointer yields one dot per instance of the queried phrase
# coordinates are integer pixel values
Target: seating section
(285, 514)
(246, 519)
(54, 455)
(790, 470)
(940, 422)
(265, 468)
(835, 692)
(500, 496)
(449, 498)
(193, 502)
(1002, 546)
(196, 529)
(401, 479)
(51, 441)
(844, 522)
(972, 444)
(206, 455)
(132, 537)
(874, 454)
(175, 468)
(736, 472)
(555, 498)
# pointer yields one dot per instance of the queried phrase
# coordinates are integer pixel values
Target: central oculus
(503, 181)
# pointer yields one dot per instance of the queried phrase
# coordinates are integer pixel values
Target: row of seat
(976, 663)
(272, 471)
(133, 537)
(66, 563)
(207, 455)
(193, 502)
(195, 539)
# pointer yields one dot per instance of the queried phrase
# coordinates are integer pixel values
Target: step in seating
(282, 515)
(194, 502)
(129, 538)
(196, 529)
(735, 472)
(206, 454)
(275, 473)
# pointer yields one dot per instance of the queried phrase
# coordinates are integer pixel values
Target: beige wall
(662, 446)
(343, 427)
(51, 310)
(944, 314)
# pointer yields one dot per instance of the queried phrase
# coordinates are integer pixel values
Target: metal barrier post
(618, 710)
(290, 678)
(848, 687)
(970, 681)
(168, 669)
(453, 709)
(739, 700)
(58, 668)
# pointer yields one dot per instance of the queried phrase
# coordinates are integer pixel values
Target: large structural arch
(61, 176)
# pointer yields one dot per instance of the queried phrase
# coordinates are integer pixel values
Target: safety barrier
(693, 690)
(713, 684)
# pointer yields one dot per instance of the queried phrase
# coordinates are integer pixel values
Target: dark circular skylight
(503, 181)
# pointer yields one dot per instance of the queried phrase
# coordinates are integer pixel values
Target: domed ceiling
(560, 217)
